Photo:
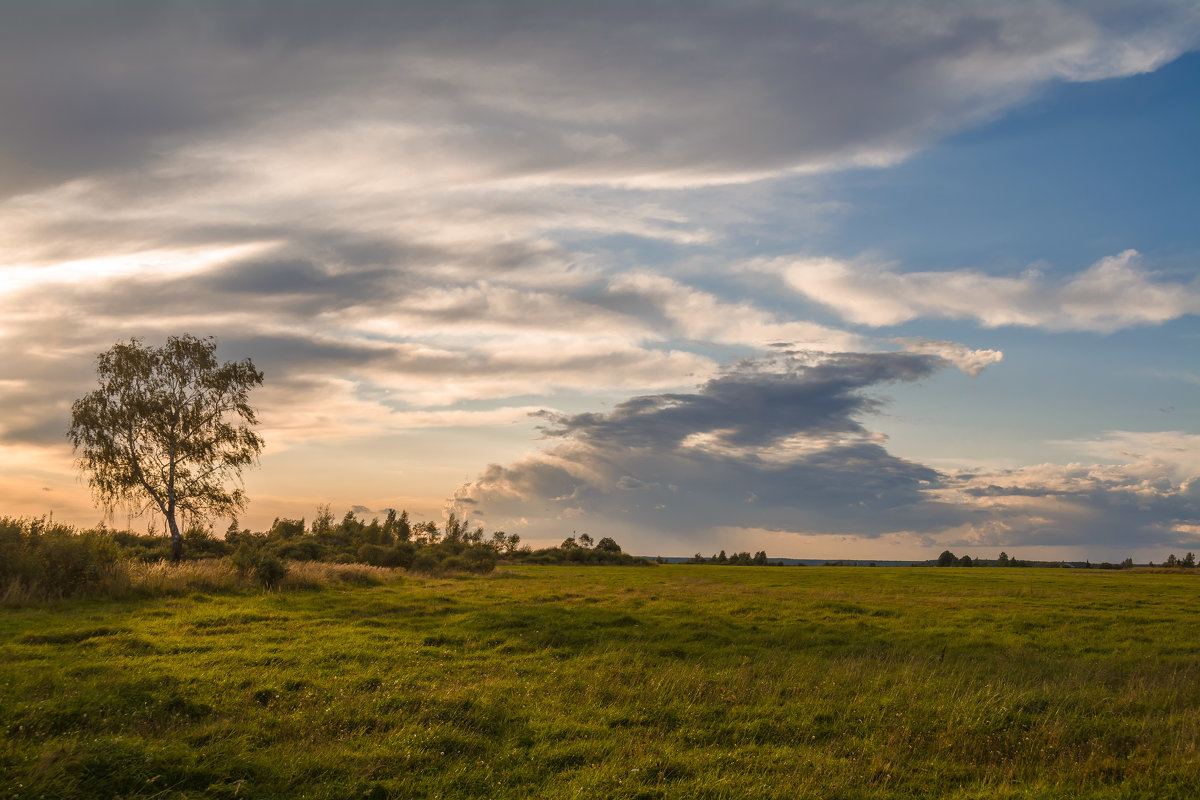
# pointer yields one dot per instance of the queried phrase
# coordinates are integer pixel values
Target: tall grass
(137, 579)
(42, 561)
(162, 578)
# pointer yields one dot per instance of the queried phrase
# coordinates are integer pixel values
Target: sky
(854, 279)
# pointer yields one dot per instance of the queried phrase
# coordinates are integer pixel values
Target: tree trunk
(176, 538)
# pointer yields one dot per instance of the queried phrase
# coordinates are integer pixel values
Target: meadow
(676, 681)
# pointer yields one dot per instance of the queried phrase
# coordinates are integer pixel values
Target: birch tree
(170, 429)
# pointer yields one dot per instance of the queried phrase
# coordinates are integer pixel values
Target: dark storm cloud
(752, 406)
(772, 445)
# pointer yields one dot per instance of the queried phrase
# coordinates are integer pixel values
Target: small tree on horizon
(608, 545)
(167, 429)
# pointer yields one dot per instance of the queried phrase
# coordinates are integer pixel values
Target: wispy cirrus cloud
(1114, 293)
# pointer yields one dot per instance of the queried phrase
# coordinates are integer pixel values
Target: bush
(596, 556)
(144, 547)
(400, 555)
(403, 554)
(52, 560)
(454, 564)
(425, 562)
(17, 559)
(372, 554)
(269, 570)
(481, 560)
(200, 543)
(260, 564)
(304, 548)
(286, 529)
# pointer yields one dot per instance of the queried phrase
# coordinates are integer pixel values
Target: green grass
(556, 682)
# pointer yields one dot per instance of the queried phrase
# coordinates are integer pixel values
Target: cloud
(421, 213)
(1176, 454)
(591, 92)
(966, 359)
(405, 180)
(757, 404)
(699, 315)
(780, 446)
(1078, 506)
(1112, 294)
(1145, 496)
(775, 444)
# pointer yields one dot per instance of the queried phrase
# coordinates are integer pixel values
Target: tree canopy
(168, 428)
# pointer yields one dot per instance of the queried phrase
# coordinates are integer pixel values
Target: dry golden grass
(161, 578)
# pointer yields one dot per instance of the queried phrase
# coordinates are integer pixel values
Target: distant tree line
(581, 550)
(1187, 562)
(948, 559)
(397, 541)
(744, 559)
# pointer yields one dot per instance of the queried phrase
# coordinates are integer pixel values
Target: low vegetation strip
(679, 681)
(42, 561)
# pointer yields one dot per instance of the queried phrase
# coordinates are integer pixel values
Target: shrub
(17, 559)
(286, 529)
(74, 561)
(400, 555)
(260, 564)
(304, 548)
(454, 564)
(200, 543)
(52, 560)
(403, 554)
(425, 562)
(270, 570)
(145, 547)
(372, 554)
(481, 560)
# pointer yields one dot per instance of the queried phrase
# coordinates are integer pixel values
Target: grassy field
(675, 681)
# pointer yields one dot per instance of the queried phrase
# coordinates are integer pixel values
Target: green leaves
(168, 427)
